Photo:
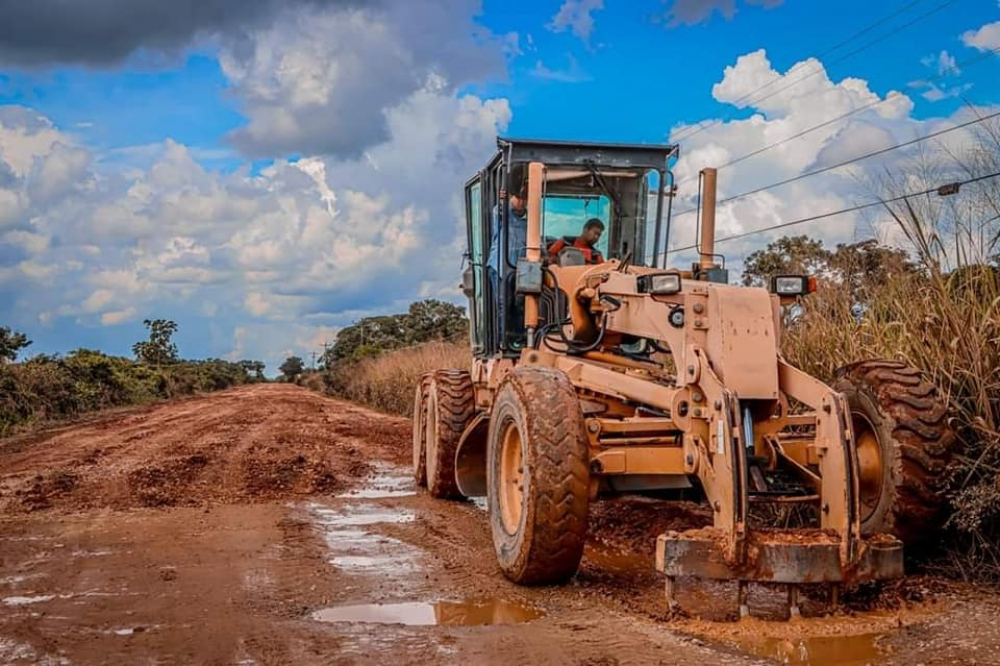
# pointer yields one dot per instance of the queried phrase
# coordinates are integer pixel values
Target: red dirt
(208, 530)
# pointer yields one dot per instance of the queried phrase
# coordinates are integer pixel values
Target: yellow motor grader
(626, 376)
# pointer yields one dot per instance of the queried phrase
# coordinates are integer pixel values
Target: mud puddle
(385, 482)
(816, 650)
(352, 548)
(470, 613)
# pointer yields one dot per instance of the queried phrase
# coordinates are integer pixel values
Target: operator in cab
(586, 242)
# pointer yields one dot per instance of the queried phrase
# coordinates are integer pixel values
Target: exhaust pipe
(707, 249)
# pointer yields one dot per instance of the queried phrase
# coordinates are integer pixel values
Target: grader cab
(625, 376)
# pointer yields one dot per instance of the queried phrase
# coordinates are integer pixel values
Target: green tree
(789, 255)
(11, 342)
(435, 320)
(425, 321)
(158, 349)
(291, 368)
(858, 267)
(255, 367)
(865, 266)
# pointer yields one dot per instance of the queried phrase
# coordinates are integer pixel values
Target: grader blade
(791, 557)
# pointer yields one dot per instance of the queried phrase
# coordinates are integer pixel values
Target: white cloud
(31, 243)
(98, 300)
(571, 74)
(985, 38)
(298, 241)
(117, 316)
(576, 16)
(321, 80)
(943, 63)
(802, 106)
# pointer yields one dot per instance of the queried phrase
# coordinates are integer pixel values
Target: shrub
(49, 387)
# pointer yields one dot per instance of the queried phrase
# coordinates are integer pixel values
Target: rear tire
(538, 477)
(420, 431)
(451, 404)
(901, 430)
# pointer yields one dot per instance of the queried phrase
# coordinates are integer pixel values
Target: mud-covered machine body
(627, 376)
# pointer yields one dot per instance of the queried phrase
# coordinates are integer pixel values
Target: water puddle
(359, 515)
(815, 650)
(353, 548)
(386, 482)
(24, 601)
(441, 613)
(15, 580)
(43, 598)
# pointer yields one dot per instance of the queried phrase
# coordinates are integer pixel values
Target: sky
(266, 172)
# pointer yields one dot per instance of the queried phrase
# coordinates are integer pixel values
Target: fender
(470, 458)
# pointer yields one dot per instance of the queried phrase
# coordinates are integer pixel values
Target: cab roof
(579, 153)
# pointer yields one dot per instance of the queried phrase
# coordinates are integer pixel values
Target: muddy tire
(451, 404)
(420, 431)
(904, 444)
(538, 477)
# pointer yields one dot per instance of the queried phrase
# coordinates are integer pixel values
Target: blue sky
(151, 171)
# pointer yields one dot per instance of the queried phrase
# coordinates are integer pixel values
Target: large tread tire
(451, 405)
(545, 543)
(420, 430)
(910, 421)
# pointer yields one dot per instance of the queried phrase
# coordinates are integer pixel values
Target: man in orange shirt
(585, 242)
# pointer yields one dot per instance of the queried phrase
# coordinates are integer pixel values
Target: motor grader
(630, 377)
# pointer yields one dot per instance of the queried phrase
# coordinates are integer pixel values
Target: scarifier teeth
(744, 606)
(668, 588)
(793, 601)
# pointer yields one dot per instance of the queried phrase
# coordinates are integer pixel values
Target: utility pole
(313, 359)
(326, 355)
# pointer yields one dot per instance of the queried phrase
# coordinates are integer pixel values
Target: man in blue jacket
(517, 240)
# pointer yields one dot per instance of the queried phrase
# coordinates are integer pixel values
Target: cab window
(565, 215)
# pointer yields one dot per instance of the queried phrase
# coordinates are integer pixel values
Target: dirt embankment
(250, 444)
(245, 527)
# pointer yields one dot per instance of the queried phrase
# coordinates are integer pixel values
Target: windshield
(565, 215)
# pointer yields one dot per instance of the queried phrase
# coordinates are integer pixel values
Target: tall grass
(387, 382)
(947, 324)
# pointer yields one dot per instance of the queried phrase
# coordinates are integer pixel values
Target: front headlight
(793, 285)
(662, 283)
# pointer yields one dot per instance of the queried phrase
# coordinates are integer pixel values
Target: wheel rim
(511, 477)
(430, 439)
(870, 465)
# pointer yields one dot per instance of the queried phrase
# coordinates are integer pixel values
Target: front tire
(904, 445)
(538, 477)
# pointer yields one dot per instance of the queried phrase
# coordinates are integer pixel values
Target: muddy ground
(271, 525)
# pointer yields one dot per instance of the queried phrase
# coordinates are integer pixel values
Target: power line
(956, 67)
(822, 67)
(832, 167)
(949, 188)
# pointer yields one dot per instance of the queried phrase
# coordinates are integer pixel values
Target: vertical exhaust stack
(707, 249)
(533, 253)
(706, 268)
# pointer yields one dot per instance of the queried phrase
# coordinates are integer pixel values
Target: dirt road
(270, 525)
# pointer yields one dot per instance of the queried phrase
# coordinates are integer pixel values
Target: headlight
(663, 283)
(793, 285)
